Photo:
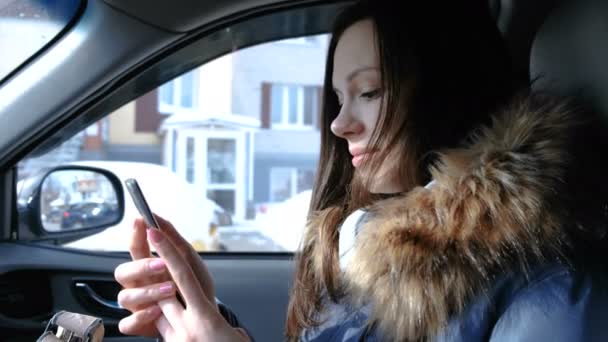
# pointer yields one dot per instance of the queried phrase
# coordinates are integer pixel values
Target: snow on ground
(283, 222)
(280, 227)
(168, 196)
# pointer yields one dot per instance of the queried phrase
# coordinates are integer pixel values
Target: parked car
(88, 214)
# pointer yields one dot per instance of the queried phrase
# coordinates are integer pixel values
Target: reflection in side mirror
(77, 199)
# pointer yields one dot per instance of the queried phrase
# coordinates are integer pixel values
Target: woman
(445, 207)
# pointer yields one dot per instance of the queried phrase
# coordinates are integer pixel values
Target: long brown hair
(444, 68)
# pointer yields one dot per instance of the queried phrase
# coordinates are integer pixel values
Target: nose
(346, 125)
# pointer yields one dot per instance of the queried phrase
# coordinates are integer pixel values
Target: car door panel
(37, 281)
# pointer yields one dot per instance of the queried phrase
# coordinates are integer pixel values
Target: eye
(338, 97)
(369, 95)
(340, 100)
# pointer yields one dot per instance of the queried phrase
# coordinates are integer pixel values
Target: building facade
(244, 127)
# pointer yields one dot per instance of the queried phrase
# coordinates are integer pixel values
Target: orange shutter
(147, 117)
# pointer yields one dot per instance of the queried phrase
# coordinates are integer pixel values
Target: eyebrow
(358, 71)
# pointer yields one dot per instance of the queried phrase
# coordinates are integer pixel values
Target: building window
(190, 159)
(179, 94)
(293, 106)
(166, 92)
(186, 95)
(221, 162)
(286, 182)
(221, 172)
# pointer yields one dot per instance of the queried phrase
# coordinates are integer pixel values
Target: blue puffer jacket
(554, 304)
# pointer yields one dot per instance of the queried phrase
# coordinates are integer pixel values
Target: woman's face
(357, 83)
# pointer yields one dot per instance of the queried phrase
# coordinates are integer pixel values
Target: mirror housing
(67, 203)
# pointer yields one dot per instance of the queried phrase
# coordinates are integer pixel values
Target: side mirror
(70, 202)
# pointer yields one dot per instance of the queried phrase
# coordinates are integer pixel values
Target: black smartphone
(140, 203)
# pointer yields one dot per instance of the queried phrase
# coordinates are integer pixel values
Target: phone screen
(140, 203)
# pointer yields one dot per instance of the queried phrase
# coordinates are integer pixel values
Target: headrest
(570, 52)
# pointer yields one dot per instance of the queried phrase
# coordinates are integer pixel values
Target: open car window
(226, 151)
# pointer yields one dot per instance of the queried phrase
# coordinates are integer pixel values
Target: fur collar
(425, 255)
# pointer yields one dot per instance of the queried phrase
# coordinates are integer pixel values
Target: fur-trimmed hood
(494, 207)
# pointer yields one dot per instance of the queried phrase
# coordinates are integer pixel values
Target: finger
(181, 244)
(134, 323)
(139, 247)
(181, 273)
(173, 235)
(142, 297)
(192, 257)
(173, 310)
(242, 332)
(130, 274)
(165, 329)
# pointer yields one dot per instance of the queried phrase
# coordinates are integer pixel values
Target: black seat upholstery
(518, 21)
(569, 57)
(570, 53)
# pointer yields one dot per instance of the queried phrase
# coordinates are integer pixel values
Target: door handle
(108, 304)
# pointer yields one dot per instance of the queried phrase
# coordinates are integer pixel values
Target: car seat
(569, 58)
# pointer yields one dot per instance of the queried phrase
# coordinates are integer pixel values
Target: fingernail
(155, 235)
(157, 265)
(166, 289)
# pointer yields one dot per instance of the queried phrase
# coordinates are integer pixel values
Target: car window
(226, 151)
(28, 25)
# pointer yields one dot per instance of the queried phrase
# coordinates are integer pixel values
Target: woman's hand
(198, 318)
(146, 280)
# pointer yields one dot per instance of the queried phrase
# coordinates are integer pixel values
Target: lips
(359, 154)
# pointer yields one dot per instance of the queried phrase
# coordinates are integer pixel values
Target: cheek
(370, 114)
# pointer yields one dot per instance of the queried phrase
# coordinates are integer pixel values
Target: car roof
(114, 41)
(186, 15)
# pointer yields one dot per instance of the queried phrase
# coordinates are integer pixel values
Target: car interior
(115, 51)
